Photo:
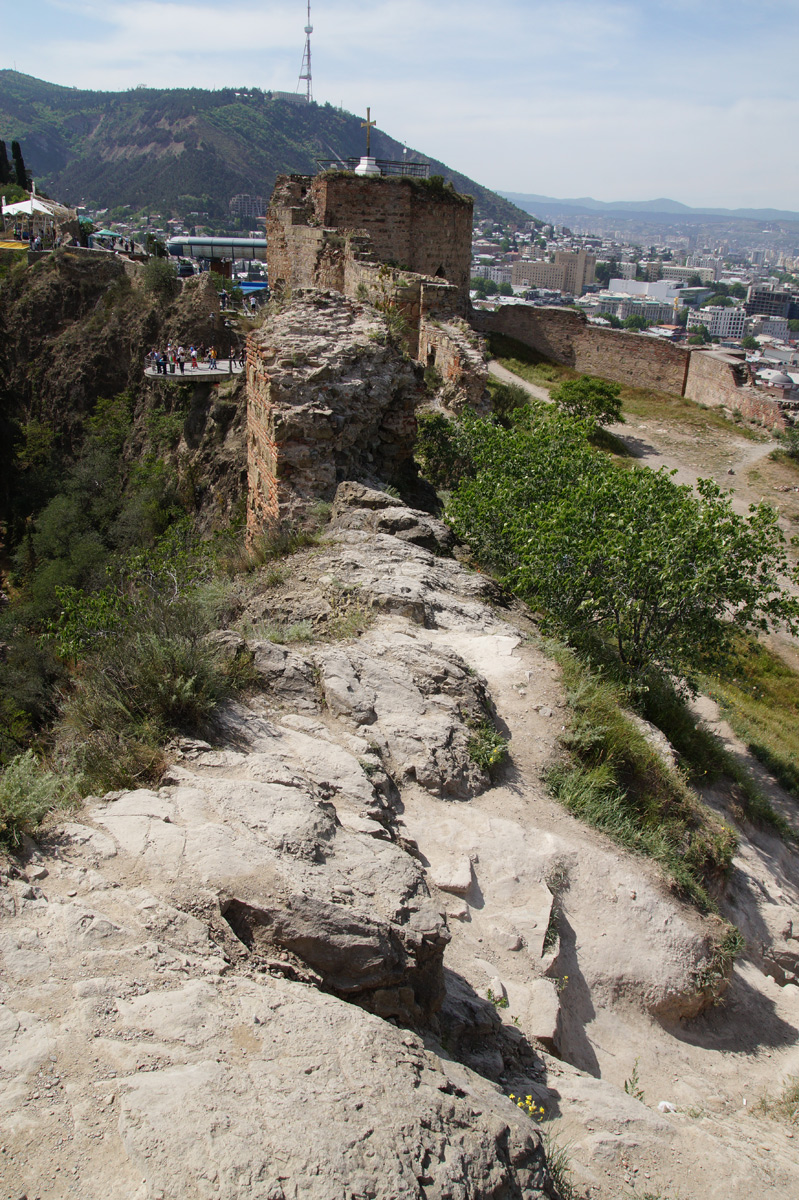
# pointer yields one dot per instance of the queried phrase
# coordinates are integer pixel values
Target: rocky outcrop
(329, 398)
(320, 956)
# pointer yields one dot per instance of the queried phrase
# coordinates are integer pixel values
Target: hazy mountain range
(585, 205)
(177, 149)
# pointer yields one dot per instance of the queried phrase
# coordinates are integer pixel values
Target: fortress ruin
(364, 260)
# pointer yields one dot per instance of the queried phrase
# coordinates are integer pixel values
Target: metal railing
(418, 170)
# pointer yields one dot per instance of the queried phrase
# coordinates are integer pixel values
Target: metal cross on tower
(367, 125)
(305, 69)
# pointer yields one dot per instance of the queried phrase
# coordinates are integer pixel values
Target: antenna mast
(305, 69)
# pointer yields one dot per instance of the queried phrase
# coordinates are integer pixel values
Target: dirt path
(505, 376)
(725, 459)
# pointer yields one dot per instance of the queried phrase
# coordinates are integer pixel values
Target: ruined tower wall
(322, 231)
(327, 399)
(719, 380)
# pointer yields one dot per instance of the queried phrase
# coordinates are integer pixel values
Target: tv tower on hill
(305, 69)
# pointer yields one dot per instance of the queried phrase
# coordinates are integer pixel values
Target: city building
(623, 305)
(776, 327)
(706, 274)
(249, 206)
(662, 289)
(571, 272)
(720, 322)
(769, 301)
(499, 274)
(708, 261)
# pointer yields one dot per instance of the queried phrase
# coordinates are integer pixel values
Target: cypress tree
(19, 166)
(5, 169)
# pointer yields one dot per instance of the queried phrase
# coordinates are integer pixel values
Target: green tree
(749, 343)
(21, 174)
(720, 300)
(5, 166)
(505, 289)
(589, 399)
(793, 325)
(666, 574)
(160, 278)
(636, 321)
(694, 280)
(738, 290)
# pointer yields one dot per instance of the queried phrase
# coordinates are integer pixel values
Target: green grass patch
(528, 363)
(652, 405)
(703, 757)
(759, 696)
(614, 780)
(156, 675)
(784, 1107)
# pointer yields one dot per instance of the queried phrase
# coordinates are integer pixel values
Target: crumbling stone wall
(721, 380)
(566, 337)
(407, 223)
(328, 398)
(451, 346)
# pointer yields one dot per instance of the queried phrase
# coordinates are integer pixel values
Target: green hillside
(180, 149)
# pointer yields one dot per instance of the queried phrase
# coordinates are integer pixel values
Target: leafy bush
(437, 450)
(160, 278)
(487, 747)
(666, 574)
(28, 792)
(506, 399)
(589, 399)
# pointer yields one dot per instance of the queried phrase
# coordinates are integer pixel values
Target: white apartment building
(776, 327)
(622, 306)
(706, 274)
(720, 322)
(661, 289)
(716, 265)
(498, 274)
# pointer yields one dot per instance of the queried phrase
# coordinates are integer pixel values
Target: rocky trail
(315, 961)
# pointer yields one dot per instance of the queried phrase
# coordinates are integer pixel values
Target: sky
(694, 100)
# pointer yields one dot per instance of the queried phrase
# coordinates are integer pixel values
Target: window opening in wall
(440, 272)
(431, 356)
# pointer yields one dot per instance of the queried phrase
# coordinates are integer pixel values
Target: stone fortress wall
(325, 403)
(398, 243)
(712, 377)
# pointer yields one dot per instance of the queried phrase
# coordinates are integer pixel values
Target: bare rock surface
(318, 958)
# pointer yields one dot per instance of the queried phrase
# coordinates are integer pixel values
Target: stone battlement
(318, 227)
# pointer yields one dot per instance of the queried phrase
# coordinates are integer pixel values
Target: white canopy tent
(39, 216)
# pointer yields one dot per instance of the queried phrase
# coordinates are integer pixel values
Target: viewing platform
(199, 374)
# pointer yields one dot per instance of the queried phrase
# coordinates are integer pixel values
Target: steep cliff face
(76, 327)
(319, 958)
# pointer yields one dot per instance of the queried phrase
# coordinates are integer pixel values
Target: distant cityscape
(745, 299)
